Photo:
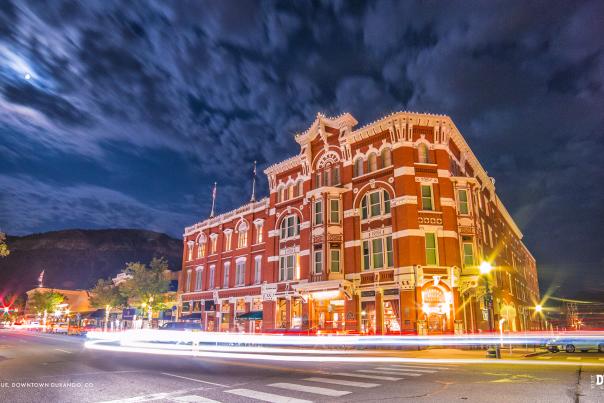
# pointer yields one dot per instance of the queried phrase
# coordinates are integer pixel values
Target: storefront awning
(254, 315)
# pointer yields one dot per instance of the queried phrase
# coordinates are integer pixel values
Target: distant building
(374, 230)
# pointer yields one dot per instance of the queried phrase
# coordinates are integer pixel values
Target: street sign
(269, 292)
(485, 314)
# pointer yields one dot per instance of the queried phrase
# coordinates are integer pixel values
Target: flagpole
(213, 200)
(254, 184)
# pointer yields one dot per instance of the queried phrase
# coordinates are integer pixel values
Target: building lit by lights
(379, 229)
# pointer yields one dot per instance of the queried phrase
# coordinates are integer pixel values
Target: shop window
(240, 273)
(290, 227)
(282, 321)
(335, 260)
(334, 211)
(431, 250)
(386, 158)
(225, 274)
(212, 277)
(318, 261)
(318, 212)
(257, 269)
(287, 267)
(462, 201)
(427, 203)
(358, 167)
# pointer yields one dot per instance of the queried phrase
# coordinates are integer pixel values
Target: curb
(536, 354)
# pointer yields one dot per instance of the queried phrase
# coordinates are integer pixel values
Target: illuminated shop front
(436, 306)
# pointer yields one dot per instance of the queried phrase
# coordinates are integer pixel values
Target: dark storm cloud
(166, 97)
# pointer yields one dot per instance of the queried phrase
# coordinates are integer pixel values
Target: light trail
(99, 345)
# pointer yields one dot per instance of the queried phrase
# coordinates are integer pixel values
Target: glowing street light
(538, 308)
(485, 267)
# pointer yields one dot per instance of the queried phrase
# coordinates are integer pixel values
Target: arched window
(372, 162)
(290, 227)
(201, 246)
(422, 154)
(375, 203)
(242, 230)
(358, 167)
(386, 158)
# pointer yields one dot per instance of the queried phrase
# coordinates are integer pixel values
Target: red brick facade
(374, 230)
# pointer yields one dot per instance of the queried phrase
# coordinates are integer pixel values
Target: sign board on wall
(269, 292)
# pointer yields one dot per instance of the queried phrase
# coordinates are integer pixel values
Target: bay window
(318, 212)
(335, 260)
(462, 201)
(334, 211)
(318, 261)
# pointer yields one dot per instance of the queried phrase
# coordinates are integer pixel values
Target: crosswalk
(321, 385)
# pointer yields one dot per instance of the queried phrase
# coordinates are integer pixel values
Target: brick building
(378, 229)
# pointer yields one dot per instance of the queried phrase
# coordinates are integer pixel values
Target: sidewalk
(454, 353)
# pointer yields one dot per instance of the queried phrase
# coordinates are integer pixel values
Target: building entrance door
(437, 322)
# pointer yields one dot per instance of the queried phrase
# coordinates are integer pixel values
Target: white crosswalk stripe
(265, 397)
(193, 398)
(343, 382)
(376, 377)
(310, 389)
(408, 369)
(386, 372)
(419, 366)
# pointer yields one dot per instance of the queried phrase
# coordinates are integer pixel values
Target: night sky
(116, 115)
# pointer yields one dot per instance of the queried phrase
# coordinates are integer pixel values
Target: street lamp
(538, 308)
(486, 268)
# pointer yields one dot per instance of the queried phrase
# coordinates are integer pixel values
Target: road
(56, 368)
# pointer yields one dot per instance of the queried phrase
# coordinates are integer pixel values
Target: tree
(3, 247)
(106, 295)
(44, 302)
(13, 306)
(146, 286)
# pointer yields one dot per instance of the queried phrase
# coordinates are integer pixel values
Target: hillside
(77, 258)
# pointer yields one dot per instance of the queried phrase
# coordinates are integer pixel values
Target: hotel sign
(269, 292)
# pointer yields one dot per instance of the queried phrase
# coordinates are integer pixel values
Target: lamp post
(485, 269)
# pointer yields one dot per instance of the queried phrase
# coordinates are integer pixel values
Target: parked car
(60, 328)
(570, 345)
(180, 326)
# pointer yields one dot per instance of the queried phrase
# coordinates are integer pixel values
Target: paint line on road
(377, 377)
(386, 372)
(343, 382)
(573, 358)
(265, 397)
(195, 380)
(193, 398)
(545, 358)
(422, 366)
(146, 398)
(409, 369)
(64, 351)
(310, 389)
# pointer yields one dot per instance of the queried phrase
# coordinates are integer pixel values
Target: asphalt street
(38, 367)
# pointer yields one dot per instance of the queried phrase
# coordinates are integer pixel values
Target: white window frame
(258, 269)
(435, 248)
(212, 274)
(199, 278)
(213, 243)
(226, 274)
(240, 272)
(228, 235)
(289, 222)
(317, 261)
(366, 200)
(332, 260)
(459, 202)
(188, 281)
(337, 211)
(284, 269)
(317, 214)
(387, 255)
(421, 195)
